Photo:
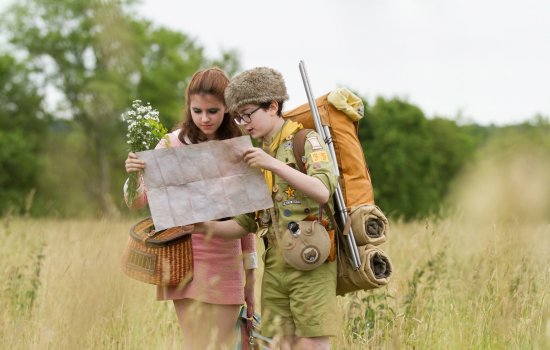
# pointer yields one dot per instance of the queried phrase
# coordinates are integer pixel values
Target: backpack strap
(299, 148)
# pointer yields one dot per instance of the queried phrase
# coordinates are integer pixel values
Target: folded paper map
(201, 182)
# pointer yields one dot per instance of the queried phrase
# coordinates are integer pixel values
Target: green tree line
(97, 56)
(413, 159)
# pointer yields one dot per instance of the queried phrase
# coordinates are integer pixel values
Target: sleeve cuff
(247, 222)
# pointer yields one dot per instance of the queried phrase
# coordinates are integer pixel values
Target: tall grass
(454, 287)
(478, 278)
(63, 289)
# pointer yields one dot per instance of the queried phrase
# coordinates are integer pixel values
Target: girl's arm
(250, 263)
(133, 164)
(249, 296)
(248, 247)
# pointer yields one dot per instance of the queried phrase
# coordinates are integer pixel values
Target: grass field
(477, 279)
(455, 286)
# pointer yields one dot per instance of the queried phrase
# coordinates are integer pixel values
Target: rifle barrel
(324, 131)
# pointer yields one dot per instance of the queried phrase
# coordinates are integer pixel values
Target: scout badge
(335, 117)
(164, 258)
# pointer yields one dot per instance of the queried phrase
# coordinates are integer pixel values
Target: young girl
(208, 307)
(298, 306)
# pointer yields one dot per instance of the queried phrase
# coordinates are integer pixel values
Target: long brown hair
(211, 81)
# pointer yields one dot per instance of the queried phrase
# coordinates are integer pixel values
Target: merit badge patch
(314, 142)
(319, 156)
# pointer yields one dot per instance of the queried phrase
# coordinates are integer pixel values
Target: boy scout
(299, 306)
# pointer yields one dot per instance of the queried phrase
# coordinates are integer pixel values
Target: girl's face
(207, 112)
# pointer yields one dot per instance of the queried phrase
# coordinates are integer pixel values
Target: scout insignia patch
(314, 142)
(291, 201)
(319, 156)
(290, 192)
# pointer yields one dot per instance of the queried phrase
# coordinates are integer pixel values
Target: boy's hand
(256, 158)
(188, 228)
(199, 227)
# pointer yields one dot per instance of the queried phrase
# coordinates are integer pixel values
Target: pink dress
(218, 274)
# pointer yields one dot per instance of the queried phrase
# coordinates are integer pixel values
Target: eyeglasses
(245, 118)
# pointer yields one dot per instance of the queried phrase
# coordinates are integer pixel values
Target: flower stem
(133, 184)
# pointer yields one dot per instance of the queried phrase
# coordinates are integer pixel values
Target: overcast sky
(488, 60)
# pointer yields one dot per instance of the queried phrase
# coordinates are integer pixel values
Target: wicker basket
(163, 258)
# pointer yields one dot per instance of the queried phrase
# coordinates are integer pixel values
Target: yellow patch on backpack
(320, 156)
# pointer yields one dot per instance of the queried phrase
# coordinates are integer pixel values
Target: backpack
(340, 110)
(355, 179)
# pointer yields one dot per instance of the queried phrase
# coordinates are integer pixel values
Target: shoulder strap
(299, 148)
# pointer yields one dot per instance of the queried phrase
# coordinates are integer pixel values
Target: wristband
(139, 190)
(250, 261)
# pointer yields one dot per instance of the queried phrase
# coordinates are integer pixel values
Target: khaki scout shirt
(291, 204)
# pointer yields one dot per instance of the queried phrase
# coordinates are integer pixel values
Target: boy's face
(256, 120)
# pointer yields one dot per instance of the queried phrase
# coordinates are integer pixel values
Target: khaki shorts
(301, 303)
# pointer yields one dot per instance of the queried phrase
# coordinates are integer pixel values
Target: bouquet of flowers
(144, 133)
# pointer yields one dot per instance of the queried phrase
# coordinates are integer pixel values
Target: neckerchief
(288, 128)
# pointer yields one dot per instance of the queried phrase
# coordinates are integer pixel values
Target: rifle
(340, 209)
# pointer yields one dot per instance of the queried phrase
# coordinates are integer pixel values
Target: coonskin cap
(255, 86)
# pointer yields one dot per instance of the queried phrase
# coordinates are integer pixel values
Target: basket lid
(144, 231)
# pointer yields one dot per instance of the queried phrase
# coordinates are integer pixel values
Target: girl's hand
(134, 164)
